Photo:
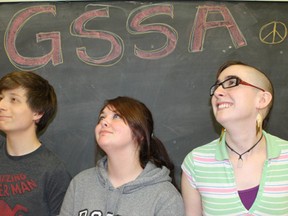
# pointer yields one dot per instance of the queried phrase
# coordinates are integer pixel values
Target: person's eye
(14, 100)
(116, 116)
(100, 118)
(231, 82)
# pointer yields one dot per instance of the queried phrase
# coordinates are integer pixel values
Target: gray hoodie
(151, 194)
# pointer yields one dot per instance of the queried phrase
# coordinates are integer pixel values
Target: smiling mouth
(3, 117)
(223, 105)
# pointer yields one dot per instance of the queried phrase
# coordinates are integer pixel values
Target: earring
(258, 123)
(223, 130)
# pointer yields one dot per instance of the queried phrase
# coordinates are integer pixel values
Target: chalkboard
(165, 54)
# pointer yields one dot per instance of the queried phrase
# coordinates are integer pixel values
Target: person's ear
(37, 116)
(264, 99)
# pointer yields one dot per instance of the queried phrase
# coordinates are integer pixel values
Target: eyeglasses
(230, 83)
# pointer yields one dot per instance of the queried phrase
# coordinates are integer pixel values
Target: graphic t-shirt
(33, 184)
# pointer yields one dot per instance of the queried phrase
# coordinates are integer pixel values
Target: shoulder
(168, 199)
(203, 157)
(273, 137)
(164, 193)
(93, 175)
(207, 149)
(44, 151)
(168, 190)
(85, 181)
(276, 139)
(87, 173)
(157, 179)
(85, 176)
(50, 163)
(275, 144)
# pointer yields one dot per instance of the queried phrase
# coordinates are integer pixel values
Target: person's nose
(104, 122)
(2, 104)
(219, 91)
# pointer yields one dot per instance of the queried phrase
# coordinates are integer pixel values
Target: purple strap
(248, 196)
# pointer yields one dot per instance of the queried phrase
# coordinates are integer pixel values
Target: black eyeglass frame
(238, 82)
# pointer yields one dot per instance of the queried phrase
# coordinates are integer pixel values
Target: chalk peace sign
(273, 33)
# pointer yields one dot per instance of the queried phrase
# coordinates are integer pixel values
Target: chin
(221, 120)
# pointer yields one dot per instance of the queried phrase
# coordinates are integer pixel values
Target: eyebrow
(101, 113)
(17, 95)
(228, 77)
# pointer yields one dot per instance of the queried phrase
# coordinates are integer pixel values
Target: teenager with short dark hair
(33, 181)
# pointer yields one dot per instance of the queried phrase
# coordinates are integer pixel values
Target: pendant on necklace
(240, 163)
(240, 160)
